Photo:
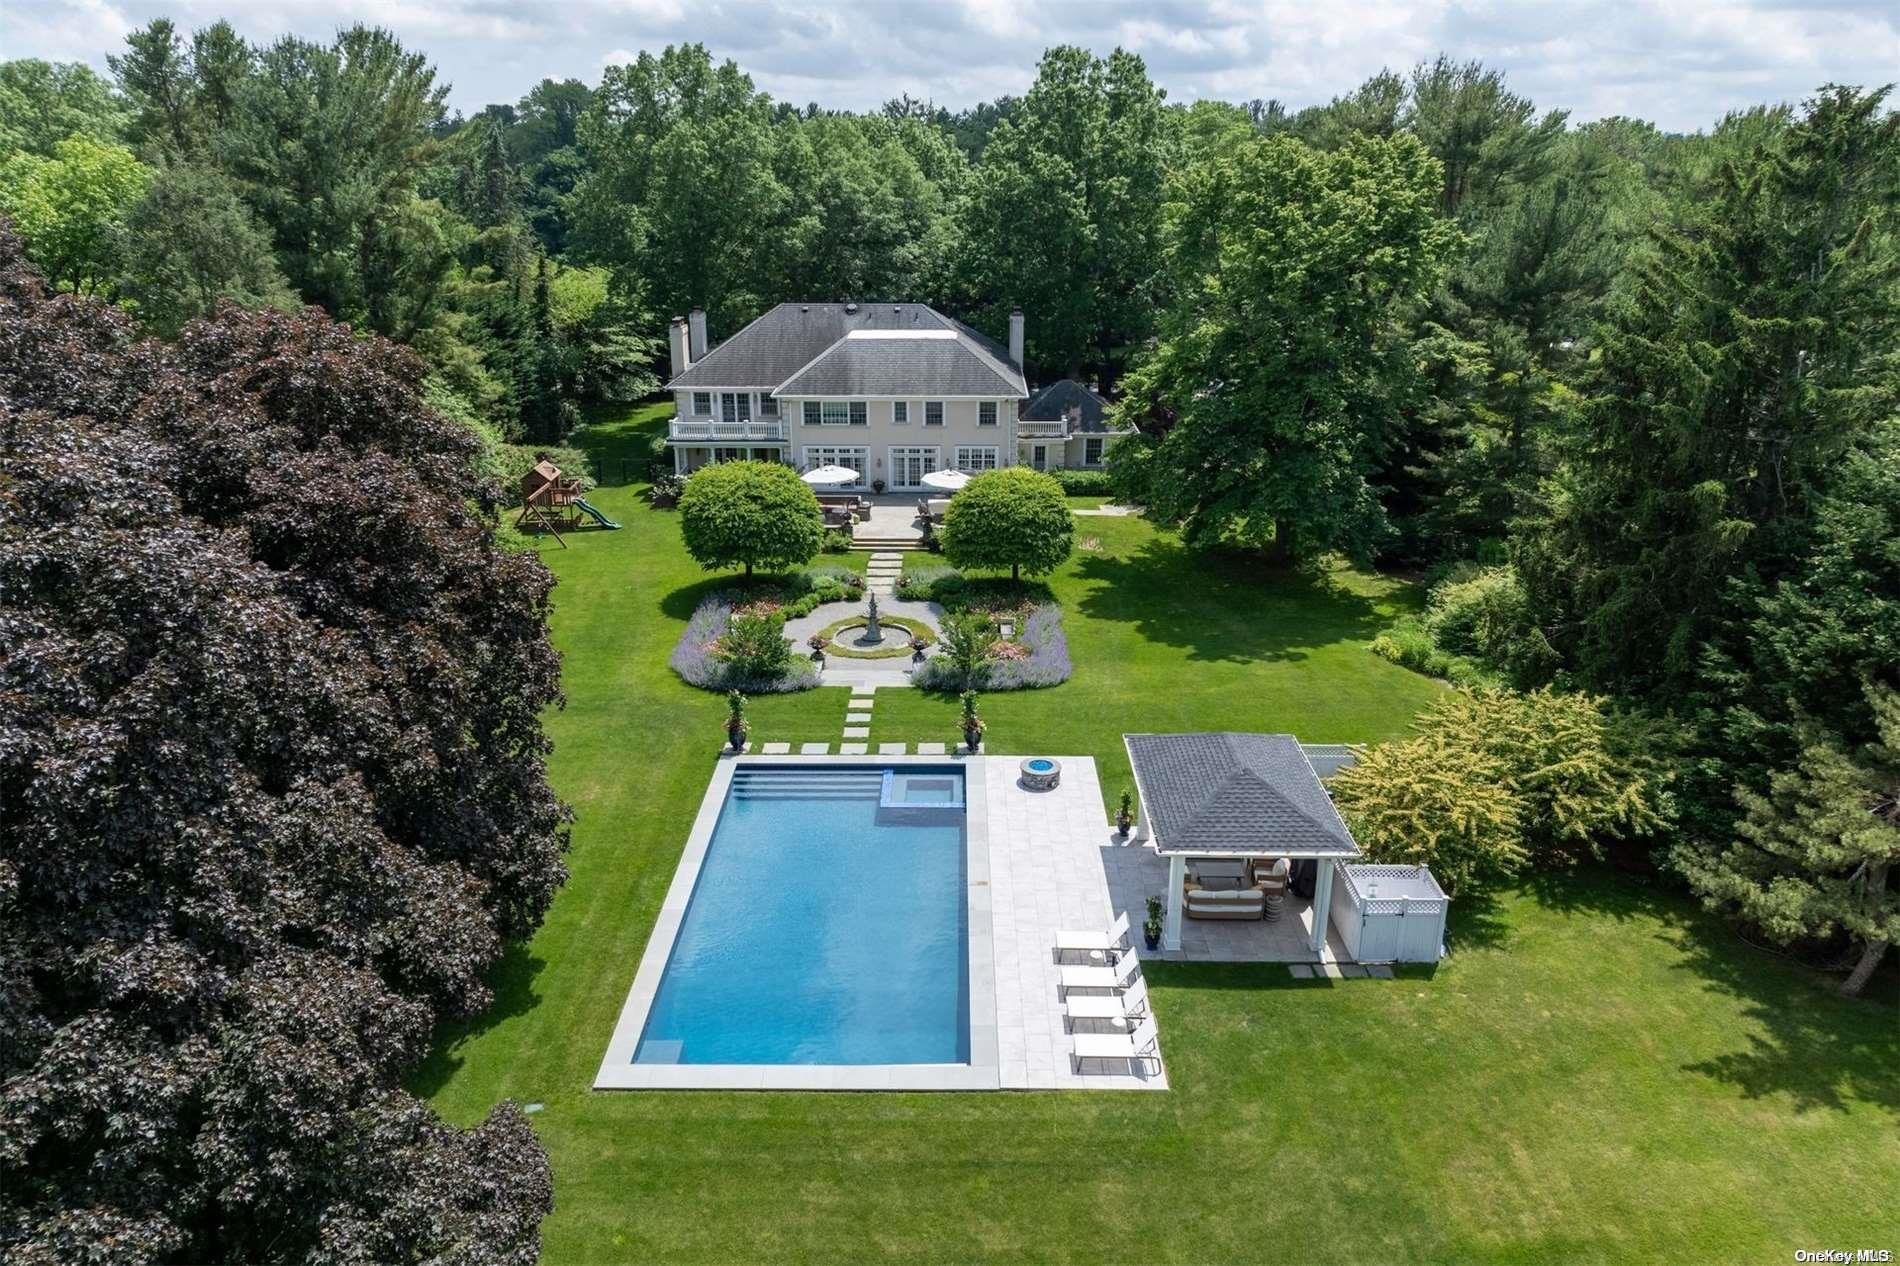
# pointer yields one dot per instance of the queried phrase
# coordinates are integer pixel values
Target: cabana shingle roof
(1252, 794)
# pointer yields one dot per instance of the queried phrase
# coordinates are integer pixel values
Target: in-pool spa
(828, 925)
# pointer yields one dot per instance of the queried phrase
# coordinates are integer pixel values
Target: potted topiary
(818, 642)
(970, 723)
(736, 727)
(1125, 816)
(1151, 928)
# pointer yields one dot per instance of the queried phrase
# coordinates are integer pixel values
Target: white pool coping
(618, 1071)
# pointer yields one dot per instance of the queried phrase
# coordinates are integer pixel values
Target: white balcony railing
(711, 429)
(1042, 430)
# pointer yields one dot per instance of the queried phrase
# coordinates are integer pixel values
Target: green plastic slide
(581, 505)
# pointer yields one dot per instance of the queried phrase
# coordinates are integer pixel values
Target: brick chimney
(696, 327)
(1016, 336)
(676, 341)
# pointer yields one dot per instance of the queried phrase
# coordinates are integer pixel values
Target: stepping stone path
(857, 725)
(880, 575)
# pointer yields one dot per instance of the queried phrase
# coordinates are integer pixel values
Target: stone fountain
(873, 632)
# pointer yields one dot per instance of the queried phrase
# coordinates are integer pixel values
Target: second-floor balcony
(712, 429)
(1057, 430)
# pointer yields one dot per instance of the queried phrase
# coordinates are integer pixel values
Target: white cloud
(1682, 63)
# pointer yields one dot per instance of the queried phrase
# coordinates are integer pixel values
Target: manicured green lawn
(1597, 1073)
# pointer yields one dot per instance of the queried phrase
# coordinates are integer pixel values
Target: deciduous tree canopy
(272, 795)
(1276, 372)
(756, 514)
(1015, 518)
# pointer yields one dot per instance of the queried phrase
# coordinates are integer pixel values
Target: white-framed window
(900, 412)
(976, 457)
(859, 417)
(933, 413)
(813, 415)
(1092, 451)
(857, 459)
(702, 404)
(986, 413)
(834, 412)
(768, 406)
(735, 406)
(732, 454)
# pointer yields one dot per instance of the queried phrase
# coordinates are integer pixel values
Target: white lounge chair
(1114, 978)
(1143, 1046)
(1127, 1006)
(1104, 942)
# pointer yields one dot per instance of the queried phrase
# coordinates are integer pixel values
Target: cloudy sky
(1680, 63)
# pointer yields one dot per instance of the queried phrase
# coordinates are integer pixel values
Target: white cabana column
(1322, 904)
(1171, 926)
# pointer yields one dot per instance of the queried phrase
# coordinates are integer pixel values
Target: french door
(858, 459)
(910, 465)
(1039, 456)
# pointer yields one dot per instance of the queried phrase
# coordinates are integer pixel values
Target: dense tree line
(273, 794)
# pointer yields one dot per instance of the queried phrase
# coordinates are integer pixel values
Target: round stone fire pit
(1041, 773)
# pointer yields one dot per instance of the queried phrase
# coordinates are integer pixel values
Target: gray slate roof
(1052, 404)
(1229, 793)
(809, 340)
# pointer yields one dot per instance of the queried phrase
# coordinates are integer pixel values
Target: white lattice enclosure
(1389, 914)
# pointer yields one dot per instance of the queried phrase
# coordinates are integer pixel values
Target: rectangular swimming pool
(819, 933)
(823, 924)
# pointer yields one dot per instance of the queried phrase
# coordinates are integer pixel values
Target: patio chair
(1114, 979)
(1143, 1046)
(1128, 1006)
(1107, 942)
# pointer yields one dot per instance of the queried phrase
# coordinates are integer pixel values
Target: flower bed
(696, 657)
(897, 646)
(1036, 656)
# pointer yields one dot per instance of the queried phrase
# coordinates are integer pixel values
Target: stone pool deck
(1046, 875)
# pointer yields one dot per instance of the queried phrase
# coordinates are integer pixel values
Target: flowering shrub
(702, 657)
(1037, 656)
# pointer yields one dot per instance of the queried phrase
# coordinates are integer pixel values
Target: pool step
(796, 784)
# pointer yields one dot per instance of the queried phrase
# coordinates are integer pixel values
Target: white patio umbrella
(830, 476)
(945, 480)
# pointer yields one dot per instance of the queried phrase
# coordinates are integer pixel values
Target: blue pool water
(828, 926)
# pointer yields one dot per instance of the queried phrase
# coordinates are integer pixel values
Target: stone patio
(1046, 875)
(1135, 873)
(893, 517)
(842, 670)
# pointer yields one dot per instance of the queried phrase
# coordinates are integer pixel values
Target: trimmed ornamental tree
(1015, 518)
(273, 795)
(750, 514)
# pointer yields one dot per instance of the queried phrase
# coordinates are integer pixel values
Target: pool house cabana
(1224, 810)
